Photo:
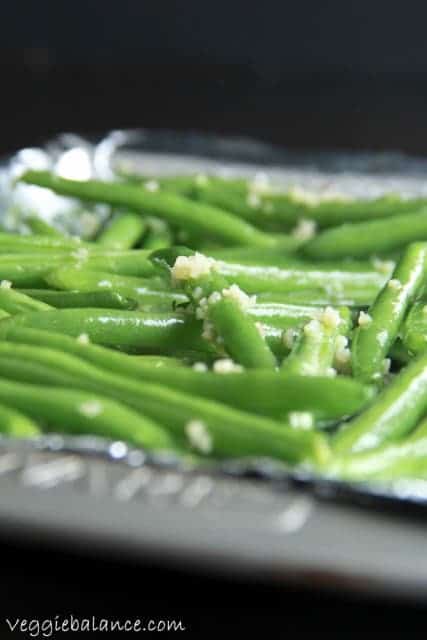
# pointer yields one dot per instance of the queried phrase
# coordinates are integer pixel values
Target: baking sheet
(248, 515)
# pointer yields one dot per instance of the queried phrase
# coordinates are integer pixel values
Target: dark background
(305, 74)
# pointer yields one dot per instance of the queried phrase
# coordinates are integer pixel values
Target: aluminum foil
(153, 153)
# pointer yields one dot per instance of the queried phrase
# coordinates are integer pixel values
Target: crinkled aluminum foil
(153, 153)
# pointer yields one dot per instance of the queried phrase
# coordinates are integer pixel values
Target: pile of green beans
(286, 326)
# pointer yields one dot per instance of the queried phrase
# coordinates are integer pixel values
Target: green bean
(329, 213)
(182, 184)
(148, 293)
(419, 433)
(266, 208)
(314, 352)
(16, 243)
(29, 270)
(224, 310)
(126, 263)
(159, 235)
(355, 286)
(220, 430)
(414, 330)
(80, 412)
(262, 392)
(394, 413)
(368, 238)
(271, 394)
(243, 339)
(123, 232)
(133, 331)
(272, 202)
(151, 331)
(358, 286)
(407, 459)
(14, 302)
(41, 227)
(16, 424)
(79, 299)
(189, 184)
(249, 206)
(266, 204)
(285, 259)
(284, 316)
(228, 322)
(284, 252)
(179, 184)
(150, 362)
(255, 257)
(373, 339)
(316, 298)
(255, 207)
(47, 252)
(176, 210)
(44, 253)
